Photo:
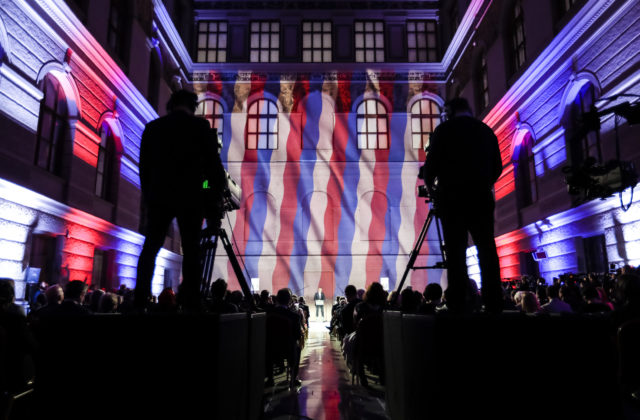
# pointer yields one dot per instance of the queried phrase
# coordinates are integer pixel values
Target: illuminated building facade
(324, 109)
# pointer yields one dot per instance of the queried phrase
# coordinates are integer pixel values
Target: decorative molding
(5, 43)
(87, 45)
(175, 40)
(61, 72)
(534, 80)
(21, 82)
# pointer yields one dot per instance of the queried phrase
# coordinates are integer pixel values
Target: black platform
(500, 367)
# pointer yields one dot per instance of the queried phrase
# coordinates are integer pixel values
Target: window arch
(262, 124)
(580, 142)
(212, 111)
(425, 117)
(516, 37)
(108, 165)
(525, 170)
(372, 125)
(53, 126)
(482, 83)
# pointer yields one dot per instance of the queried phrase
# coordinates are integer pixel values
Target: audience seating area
(150, 366)
(509, 366)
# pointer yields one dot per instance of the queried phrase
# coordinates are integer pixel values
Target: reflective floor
(326, 392)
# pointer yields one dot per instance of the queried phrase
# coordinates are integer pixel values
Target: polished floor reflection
(326, 392)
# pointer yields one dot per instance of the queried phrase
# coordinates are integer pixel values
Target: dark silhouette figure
(465, 159)
(178, 153)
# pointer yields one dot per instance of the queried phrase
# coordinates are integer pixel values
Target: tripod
(416, 249)
(209, 246)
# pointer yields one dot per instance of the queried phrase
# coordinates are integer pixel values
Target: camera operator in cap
(464, 157)
(180, 172)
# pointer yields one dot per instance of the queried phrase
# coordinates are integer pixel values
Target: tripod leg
(416, 250)
(443, 250)
(236, 266)
(209, 247)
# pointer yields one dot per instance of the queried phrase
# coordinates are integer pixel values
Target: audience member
(555, 305)
(593, 304)
(347, 319)
(530, 304)
(108, 303)
(218, 303)
(432, 299)
(408, 302)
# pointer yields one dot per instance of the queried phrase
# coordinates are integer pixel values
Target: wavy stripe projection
(317, 211)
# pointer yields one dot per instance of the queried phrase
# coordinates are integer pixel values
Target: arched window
(525, 173)
(580, 142)
(518, 51)
(212, 111)
(425, 117)
(262, 125)
(108, 166)
(372, 124)
(53, 127)
(482, 83)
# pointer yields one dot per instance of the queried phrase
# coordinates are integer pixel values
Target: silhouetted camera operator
(178, 153)
(465, 159)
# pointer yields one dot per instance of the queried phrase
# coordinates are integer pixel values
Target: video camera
(232, 194)
(592, 180)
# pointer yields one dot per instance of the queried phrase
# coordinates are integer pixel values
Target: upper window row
(372, 123)
(317, 41)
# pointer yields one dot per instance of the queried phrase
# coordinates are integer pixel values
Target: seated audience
(593, 304)
(218, 302)
(108, 304)
(347, 320)
(74, 294)
(530, 303)
(555, 305)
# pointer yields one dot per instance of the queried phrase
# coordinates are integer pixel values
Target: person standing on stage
(319, 299)
(177, 154)
(464, 157)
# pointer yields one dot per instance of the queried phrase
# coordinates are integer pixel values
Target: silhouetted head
(7, 292)
(433, 292)
(167, 297)
(530, 303)
(75, 290)
(553, 291)
(408, 301)
(589, 293)
(264, 296)
(108, 303)
(54, 294)
(350, 292)
(284, 297)
(457, 107)
(375, 294)
(183, 100)
(219, 288)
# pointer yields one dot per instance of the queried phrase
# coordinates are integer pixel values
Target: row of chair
(153, 366)
(507, 366)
